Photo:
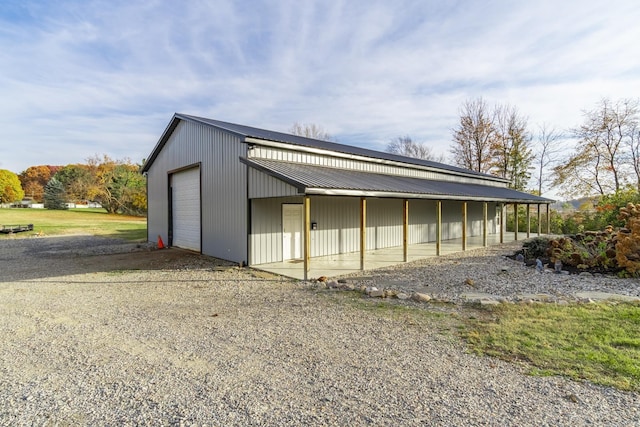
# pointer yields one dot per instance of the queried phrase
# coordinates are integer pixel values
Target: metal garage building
(259, 197)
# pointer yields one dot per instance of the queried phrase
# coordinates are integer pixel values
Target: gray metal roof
(247, 131)
(310, 179)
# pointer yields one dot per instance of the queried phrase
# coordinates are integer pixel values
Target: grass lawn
(596, 342)
(75, 221)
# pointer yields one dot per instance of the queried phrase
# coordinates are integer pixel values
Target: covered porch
(347, 263)
(308, 221)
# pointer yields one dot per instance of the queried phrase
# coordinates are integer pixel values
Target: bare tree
(310, 130)
(605, 152)
(473, 137)
(405, 146)
(547, 154)
(579, 175)
(634, 150)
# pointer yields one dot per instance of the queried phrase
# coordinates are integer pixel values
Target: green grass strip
(595, 342)
(75, 221)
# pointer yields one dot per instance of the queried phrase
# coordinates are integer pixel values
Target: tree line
(116, 184)
(498, 140)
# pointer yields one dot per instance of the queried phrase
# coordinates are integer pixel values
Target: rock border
(483, 299)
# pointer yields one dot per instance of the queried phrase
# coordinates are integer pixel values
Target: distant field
(75, 221)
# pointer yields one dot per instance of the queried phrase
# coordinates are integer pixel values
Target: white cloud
(105, 77)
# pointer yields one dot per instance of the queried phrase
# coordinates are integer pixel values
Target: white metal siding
(451, 220)
(262, 185)
(475, 219)
(338, 225)
(224, 187)
(422, 221)
(272, 153)
(384, 223)
(185, 197)
(266, 229)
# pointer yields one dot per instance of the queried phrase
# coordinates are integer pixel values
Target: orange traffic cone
(160, 242)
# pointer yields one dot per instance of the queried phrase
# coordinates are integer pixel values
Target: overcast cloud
(79, 78)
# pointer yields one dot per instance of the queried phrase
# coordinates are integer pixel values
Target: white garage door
(185, 209)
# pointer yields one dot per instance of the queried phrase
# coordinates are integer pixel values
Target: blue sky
(79, 78)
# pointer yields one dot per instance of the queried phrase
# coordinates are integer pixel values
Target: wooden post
(502, 223)
(538, 213)
(515, 221)
(528, 220)
(307, 235)
(464, 226)
(485, 223)
(363, 230)
(548, 220)
(438, 226)
(405, 230)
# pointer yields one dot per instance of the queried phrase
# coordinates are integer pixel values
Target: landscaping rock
(390, 293)
(420, 297)
(378, 293)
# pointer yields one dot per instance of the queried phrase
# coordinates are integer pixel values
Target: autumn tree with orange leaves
(35, 178)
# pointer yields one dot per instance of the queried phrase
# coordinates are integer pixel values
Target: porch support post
(307, 236)
(405, 230)
(464, 226)
(363, 230)
(485, 223)
(502, 225)
(438, 226)
(528, 220)
(515, 221)
(538, 213)
(548, 220)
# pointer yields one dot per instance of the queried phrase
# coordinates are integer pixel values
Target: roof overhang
(312, 180)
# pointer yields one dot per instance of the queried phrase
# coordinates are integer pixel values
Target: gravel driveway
(98, 332)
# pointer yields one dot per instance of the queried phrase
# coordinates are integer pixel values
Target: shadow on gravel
(45, 257)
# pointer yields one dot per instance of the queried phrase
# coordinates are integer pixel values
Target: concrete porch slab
(343, 264)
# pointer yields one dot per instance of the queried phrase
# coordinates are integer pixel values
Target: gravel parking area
(98, 332)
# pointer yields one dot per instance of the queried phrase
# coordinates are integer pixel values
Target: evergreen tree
(54, 195)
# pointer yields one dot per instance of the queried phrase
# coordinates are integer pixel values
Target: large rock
(378, 293)
(604, 296)
(420, 297)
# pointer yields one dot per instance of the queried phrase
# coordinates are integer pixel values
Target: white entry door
(292, 232)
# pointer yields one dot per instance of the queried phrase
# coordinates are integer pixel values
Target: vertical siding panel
(384, 223)
(328, 219)
(422, 221)
(336, 218)
(475, 218)
(262, 185)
